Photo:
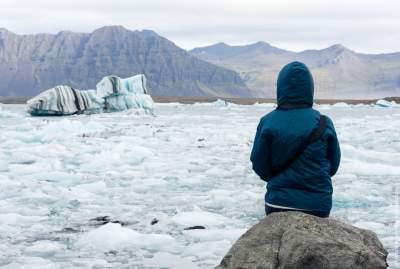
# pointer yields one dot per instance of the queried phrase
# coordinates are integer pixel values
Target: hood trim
(288, 106)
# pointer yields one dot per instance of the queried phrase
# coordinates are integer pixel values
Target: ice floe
(112, 94)
(384, 103)
(113, 236)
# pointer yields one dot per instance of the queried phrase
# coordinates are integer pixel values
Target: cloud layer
(366, 26)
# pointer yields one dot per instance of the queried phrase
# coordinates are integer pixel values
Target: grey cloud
(368, 25)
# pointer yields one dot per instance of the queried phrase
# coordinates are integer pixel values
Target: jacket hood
(295, 86)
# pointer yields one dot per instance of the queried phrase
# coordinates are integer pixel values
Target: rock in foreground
(294, 240)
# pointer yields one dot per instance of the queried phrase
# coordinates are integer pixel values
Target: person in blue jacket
(305, 185)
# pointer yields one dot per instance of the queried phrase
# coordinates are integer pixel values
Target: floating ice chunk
(324, 106)
(94, 187)
(117, 156)
(25, 169)
(112, 94)
(43, 249)
(361, 105)
(59, 130)
(17, 219)
(137, 155)
(209, 249)
(215, 234)
(113, 236)
(257, 104)
(23, 157)
(53, 176)
(341, 104)
(3, 166)
(31, 263)
(64, 100)
(199, 218)
(136, 84)
(8, 114)
(6, 182)
(170, 261)
(370, 225)
(368, 169)
(384, 103)
(221, 103)
(123, 102)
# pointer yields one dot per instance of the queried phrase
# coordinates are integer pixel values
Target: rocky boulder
(294, 240)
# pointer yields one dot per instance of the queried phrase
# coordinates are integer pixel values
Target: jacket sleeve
(333, 149)
(260, 154)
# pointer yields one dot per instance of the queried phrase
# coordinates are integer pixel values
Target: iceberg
(112, 94)
(221, 103)
(384, 103)
(341, 105)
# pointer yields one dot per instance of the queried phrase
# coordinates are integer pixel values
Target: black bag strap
(315, 135)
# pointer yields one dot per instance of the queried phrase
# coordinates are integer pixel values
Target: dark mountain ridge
(32, 63)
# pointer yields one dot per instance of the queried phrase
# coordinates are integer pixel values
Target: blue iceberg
(112, 94)
(385, 103)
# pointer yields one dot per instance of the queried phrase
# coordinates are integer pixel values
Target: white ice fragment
(171, 261)
(113, 236)
(370, 225)
(209, 249)
(8, 114)
(215, 234)
(44, 249)
(341, 104)
(137, 154)
(31, 263)
(384, 103)
(25, 169)
(94, 187)
(368, 169)
(257, 104)
(56, 176)
(23, 157)
(18, 220)
(222, 103)
(324, 106)
(3, 166)
(59, 130)
(202, 218)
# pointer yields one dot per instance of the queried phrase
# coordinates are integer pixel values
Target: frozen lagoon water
(188, 165)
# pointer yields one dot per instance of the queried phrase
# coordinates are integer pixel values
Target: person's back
(305, 184)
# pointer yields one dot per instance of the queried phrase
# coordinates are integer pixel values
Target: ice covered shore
(112, 94)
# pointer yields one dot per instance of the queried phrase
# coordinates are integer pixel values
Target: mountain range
(338, 71)
(32, 63)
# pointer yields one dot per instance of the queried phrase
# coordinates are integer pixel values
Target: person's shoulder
(328, 119)
(330, 127)
(265, 122)
(268, 117)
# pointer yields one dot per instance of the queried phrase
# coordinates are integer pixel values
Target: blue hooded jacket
(306, 183)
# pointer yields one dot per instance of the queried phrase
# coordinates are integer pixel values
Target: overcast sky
(362, 25)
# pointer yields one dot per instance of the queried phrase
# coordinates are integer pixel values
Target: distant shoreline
(209, 99)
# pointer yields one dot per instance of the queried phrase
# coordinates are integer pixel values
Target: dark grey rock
(294, 240)
(33, 63)
(197, 227)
